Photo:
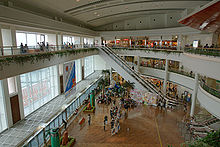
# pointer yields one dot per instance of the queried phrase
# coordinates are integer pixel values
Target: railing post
(2, 51)
(12, 51)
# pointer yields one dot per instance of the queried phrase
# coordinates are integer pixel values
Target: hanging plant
(33, 58)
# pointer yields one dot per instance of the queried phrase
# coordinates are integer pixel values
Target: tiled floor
(26, 127)
(145, 126)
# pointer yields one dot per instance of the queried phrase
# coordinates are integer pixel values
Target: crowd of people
(40, 46)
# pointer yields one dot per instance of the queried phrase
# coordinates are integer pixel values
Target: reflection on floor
(145, 126)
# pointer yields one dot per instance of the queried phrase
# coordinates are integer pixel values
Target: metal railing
(39, 138)
(135, 75)
(203, 51)
(146, 47)
(16, 50)
(209, 89)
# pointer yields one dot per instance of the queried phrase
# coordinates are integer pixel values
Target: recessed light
(77, 0)
(95, 13)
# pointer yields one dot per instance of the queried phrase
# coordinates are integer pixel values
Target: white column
(81, 41)
(166, 76)
(145, 44)
(20, 98)
(82, 68)
(57, 42)
(1, 42)
(7, 103)
(58, 78)
(130, 41)
(13, 36)
(195, 90)
(179, 42)
(110, 70)
(138, 63)
(115, 41)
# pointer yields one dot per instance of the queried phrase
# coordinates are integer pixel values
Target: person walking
(89, 119)
(104, 125)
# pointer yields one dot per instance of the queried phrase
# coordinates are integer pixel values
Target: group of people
(207, 46)
(115, 113)
(23, 48)
(41, 46)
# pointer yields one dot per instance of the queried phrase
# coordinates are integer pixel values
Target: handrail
(134, 74)
(209, 89)
(27, 141)
(17, 50)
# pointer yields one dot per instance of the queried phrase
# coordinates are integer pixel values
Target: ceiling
(94, 13)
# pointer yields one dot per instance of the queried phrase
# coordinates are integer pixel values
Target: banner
(69, 78)
(144, 96)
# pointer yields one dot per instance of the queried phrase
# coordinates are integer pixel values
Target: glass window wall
(89, 66)
(39, 87)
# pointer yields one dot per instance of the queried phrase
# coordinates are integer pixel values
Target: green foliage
(207, 52)
(150, 50)
(211, 140)
(33, 58)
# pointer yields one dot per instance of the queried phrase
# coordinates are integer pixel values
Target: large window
(3, 122)
(78, 70)
(89, 65)
(31, 39)
(12, 85)
(39, 87)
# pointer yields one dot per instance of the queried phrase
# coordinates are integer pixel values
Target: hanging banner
(69, 78)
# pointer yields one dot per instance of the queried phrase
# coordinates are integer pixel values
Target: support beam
(20, 98)
(138, 63)
(195, 90)
(166, 76)
(81, 42)
(7, 103)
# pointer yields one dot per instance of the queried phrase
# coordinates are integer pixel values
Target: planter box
(70, 143)
(90, 111)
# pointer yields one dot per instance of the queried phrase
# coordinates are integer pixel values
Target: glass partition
(38, 87)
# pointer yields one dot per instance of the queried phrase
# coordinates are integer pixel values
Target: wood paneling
(15, 109)
(61, 84)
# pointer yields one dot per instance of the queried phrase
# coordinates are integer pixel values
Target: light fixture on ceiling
(77, 0)
(95, 13)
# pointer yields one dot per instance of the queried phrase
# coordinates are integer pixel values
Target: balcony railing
(203, 51)
(209, 89)
(40, 138)
(16, 50)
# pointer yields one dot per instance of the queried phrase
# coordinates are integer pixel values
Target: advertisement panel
(69, 78)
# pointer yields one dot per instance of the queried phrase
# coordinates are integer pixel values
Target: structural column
(13, 37)
(110, 70)
(166, 76)
(7, 103)
(138, 63)
(58, 78)
(1, 42)
(82, 42)
(20, 98)
(195, 90)
(82, 66)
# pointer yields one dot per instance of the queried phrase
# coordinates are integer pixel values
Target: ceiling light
(77, 0)
(95, 13)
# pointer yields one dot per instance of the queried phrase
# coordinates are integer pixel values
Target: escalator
(129, 74)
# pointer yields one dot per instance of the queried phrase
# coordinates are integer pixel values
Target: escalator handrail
(133, 73)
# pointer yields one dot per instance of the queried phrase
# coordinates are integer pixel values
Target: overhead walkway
(129, 74)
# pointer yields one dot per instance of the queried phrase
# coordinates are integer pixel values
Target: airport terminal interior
(110, 73)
